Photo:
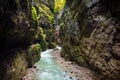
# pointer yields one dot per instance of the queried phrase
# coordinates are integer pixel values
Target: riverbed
(53, 67)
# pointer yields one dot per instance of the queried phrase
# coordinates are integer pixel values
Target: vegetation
(59, 5)
(35, 49)
(43, 42)
(46, 12)
(51, 45)
(34, 15)
(87, 30)
(33, 54)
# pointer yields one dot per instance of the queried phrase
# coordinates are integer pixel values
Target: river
(48, 69)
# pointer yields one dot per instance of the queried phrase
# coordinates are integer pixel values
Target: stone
(92, 36)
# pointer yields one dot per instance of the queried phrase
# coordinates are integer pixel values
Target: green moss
(74, 53)
(41, 37)
(35, 49)
(51, 45)
(41, 30)
(37, 1)
(43, 42)
(46, 12)
(34, 14)
(33, 54)
(59, 5)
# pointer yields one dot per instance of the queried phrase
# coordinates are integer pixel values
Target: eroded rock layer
(91, 36)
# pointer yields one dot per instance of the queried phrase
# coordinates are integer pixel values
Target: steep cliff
(26, 29)
(89, 32)
(45, 11)
(18, 43)
(91, 36)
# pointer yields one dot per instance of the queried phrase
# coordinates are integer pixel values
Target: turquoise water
(48, 69)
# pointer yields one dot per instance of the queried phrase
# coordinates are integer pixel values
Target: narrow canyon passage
(48, 69)
(52, 66)
(87, 30)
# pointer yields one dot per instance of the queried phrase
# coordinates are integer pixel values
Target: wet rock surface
(91, 36)
(80, 73)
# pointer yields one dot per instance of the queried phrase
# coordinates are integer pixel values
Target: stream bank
(72, 69)
(58, 65)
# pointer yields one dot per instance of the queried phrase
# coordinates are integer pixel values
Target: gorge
(87, 30)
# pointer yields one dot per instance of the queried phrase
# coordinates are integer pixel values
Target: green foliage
(59, 5)
(43, 42)
(37, 1)
(34, 14)
(45, 11)
(41, 30)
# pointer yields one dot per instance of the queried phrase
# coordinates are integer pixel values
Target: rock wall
(26, 29)
(91, 36)
(18, 31)
(14, 62)
(46, 23)
(16, 23)
(45, 19)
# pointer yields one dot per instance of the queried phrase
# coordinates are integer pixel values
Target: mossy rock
(34, 16)
(38, 34)
(35, 49)
(46, 14)
(40, 37)
(43, 42)
(34, 52)
(51, 45)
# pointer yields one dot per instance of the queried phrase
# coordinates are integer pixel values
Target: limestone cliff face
(92, 39)
(18, 31)
(45, 10)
